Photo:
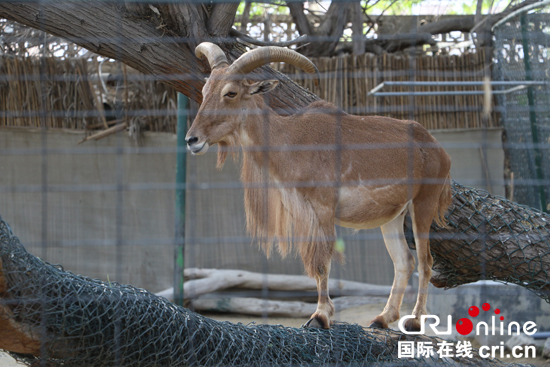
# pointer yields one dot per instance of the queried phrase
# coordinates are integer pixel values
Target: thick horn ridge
(213, 53)
(264, 55)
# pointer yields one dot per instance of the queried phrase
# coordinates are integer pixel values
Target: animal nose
(191, 140)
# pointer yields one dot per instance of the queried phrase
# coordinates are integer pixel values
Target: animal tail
(445, 200)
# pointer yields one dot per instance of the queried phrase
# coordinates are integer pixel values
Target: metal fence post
(181, 169)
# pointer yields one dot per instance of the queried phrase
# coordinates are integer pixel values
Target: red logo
(464, 326)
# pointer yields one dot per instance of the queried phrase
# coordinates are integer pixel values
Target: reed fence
(69, 94)
(346, 81)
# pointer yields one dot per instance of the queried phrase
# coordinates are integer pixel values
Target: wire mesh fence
(70, 320)
(95, 179)
(522, 55)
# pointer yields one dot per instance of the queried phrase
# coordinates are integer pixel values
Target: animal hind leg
(403, 265)
(422, 215)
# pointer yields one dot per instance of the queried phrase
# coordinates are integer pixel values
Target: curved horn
(213, 53)
(264, 55)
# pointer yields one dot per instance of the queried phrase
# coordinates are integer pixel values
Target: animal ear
(262, 87)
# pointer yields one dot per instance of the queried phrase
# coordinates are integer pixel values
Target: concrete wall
(468, 167)
(67, 207)
(105, 209)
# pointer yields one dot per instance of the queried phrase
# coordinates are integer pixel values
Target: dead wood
(203, 281)
(489, 237)
(260, 307)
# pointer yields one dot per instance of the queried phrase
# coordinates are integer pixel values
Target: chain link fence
(522, 53)
(77, 321)
(107, 212)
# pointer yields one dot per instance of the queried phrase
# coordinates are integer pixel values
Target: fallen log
(206, 281)
(261, 307)
(489, 237)
(78, 321)
(203, 281)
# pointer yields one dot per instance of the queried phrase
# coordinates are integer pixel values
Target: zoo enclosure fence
(340, 74)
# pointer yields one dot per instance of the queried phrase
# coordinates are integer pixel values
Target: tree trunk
(202, 281)
(261, 307)
(245, 16)
(357, 28)
(489, 237)
(323, 39)
(479, 7)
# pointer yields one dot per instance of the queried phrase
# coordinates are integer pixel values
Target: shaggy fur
(320, 167)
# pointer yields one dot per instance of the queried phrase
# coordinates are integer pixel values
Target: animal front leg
(403, 264)
(322, 318)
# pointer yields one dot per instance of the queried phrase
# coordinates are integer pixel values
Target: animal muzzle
(196, 147)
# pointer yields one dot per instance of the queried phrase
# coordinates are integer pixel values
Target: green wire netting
(521, 54)
(490, 237)
(90, 323)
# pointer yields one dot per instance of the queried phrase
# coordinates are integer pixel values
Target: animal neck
(261, 133)
(260, 126)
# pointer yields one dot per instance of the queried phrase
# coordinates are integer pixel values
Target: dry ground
(361, 315)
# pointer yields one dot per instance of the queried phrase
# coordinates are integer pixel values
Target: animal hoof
(412, 325)
(377, 325)
(316, 322)
(379, 322)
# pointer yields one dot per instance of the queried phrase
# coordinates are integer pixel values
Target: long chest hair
(277, 214)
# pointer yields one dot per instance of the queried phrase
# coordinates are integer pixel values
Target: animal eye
(231, 94)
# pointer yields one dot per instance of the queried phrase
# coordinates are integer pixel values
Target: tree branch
(334, 12)
(463, 24)
(326, 36)
(249, 40)
(302, 24)
(109, 31)
(140, 43)
(222, 18)
(245, 16)
(490, 20)
(357, 28)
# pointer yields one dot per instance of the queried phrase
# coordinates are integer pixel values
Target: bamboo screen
(347, 80)
(68, 92)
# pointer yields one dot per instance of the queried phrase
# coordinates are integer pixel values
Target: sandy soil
(361, 315)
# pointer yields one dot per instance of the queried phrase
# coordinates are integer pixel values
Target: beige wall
(106, 209)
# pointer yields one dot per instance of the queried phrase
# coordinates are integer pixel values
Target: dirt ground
(361, 315)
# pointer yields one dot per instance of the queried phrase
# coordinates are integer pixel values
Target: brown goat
(305, 173)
